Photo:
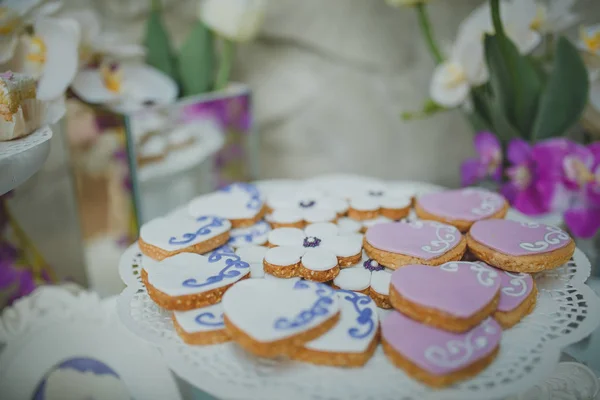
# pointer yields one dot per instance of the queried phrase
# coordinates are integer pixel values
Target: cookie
(351, 342)
(435, 357)
(253, 255)
(152, 150)
(315, 253)
(461, 207)
(390, 204)
(518, 296)
(15, 89)
(396, 244)
(367, 277)
(240, 203)
(166, 237)
(255, 235)
(203, 326)
(273, 318)
(188, 281)
(305, 206)
(520, 246)
(455, 296)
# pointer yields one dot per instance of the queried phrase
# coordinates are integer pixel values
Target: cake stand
(567, 311)
(23, 157)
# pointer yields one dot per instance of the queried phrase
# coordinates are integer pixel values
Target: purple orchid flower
(26, 284)
(487, 164)
(535, 175)
(582, 171)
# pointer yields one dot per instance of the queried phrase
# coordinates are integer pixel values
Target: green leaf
(430, 108)
(565, 95)
(159, 53)
(500, 125)
(196, 62)
(515, 81)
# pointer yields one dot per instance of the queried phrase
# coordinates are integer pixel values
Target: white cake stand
(23, 157)
(567, 310)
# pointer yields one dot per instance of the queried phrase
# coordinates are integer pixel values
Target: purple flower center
(113, 66)
(372, 265)
(520, 176)
(375, 193)
(307, 203)
(311, 241)
(7, 75)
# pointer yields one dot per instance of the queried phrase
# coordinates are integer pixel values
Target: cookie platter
(566, 311)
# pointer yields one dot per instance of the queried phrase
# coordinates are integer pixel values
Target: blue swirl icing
(259, 229)
(255, 201)
(318, 309)
(209, 319)
(365, 320)
(233, 265)
(203, 230)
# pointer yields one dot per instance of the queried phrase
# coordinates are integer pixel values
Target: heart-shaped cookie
(455, 296)
(168, 236)
(187, 281)
(272, 318)
(520, 246)
(436, 357)
(461, 207)
(518, 296)
(352, 342)
(240, 203)
(395, 244)
(202, 326)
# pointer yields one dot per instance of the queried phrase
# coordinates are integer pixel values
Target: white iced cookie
(152, 150)
(187, 281)
(384, 202)
(304, 206)
(256, 235)
(202, 326)
(253, 255)
(165, 237)
(241, 203)
(352, 342)
(273, 318)
(367, 277)
(315, 253)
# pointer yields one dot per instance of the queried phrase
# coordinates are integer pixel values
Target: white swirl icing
(518, 285)
(455, 353)
(445, 234)
(450, 267)
(485, 275)
(490, 202)
(553, 236)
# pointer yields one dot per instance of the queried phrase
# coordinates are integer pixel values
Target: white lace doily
(567, 311)
(21, 158)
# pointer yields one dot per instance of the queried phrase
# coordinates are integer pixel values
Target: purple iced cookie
(461, 207)
(455, 296)
(520, 246)
(436, 357)
(518, 296)
(395, 244)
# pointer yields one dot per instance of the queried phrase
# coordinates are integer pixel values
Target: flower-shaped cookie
(390, 203)
(315, 253)
(303, 207)
(368, 277)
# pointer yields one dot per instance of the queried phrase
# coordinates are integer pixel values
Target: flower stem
(498, 28)
(427, 32)
(225, 63)
(155, 5)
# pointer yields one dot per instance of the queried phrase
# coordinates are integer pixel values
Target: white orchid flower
(452, 80)
(465, 68)
(96, 43)
(236, 20)
(554, 16)
(49, 55)
(589, 39)
(15, 15)
(124, 88)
